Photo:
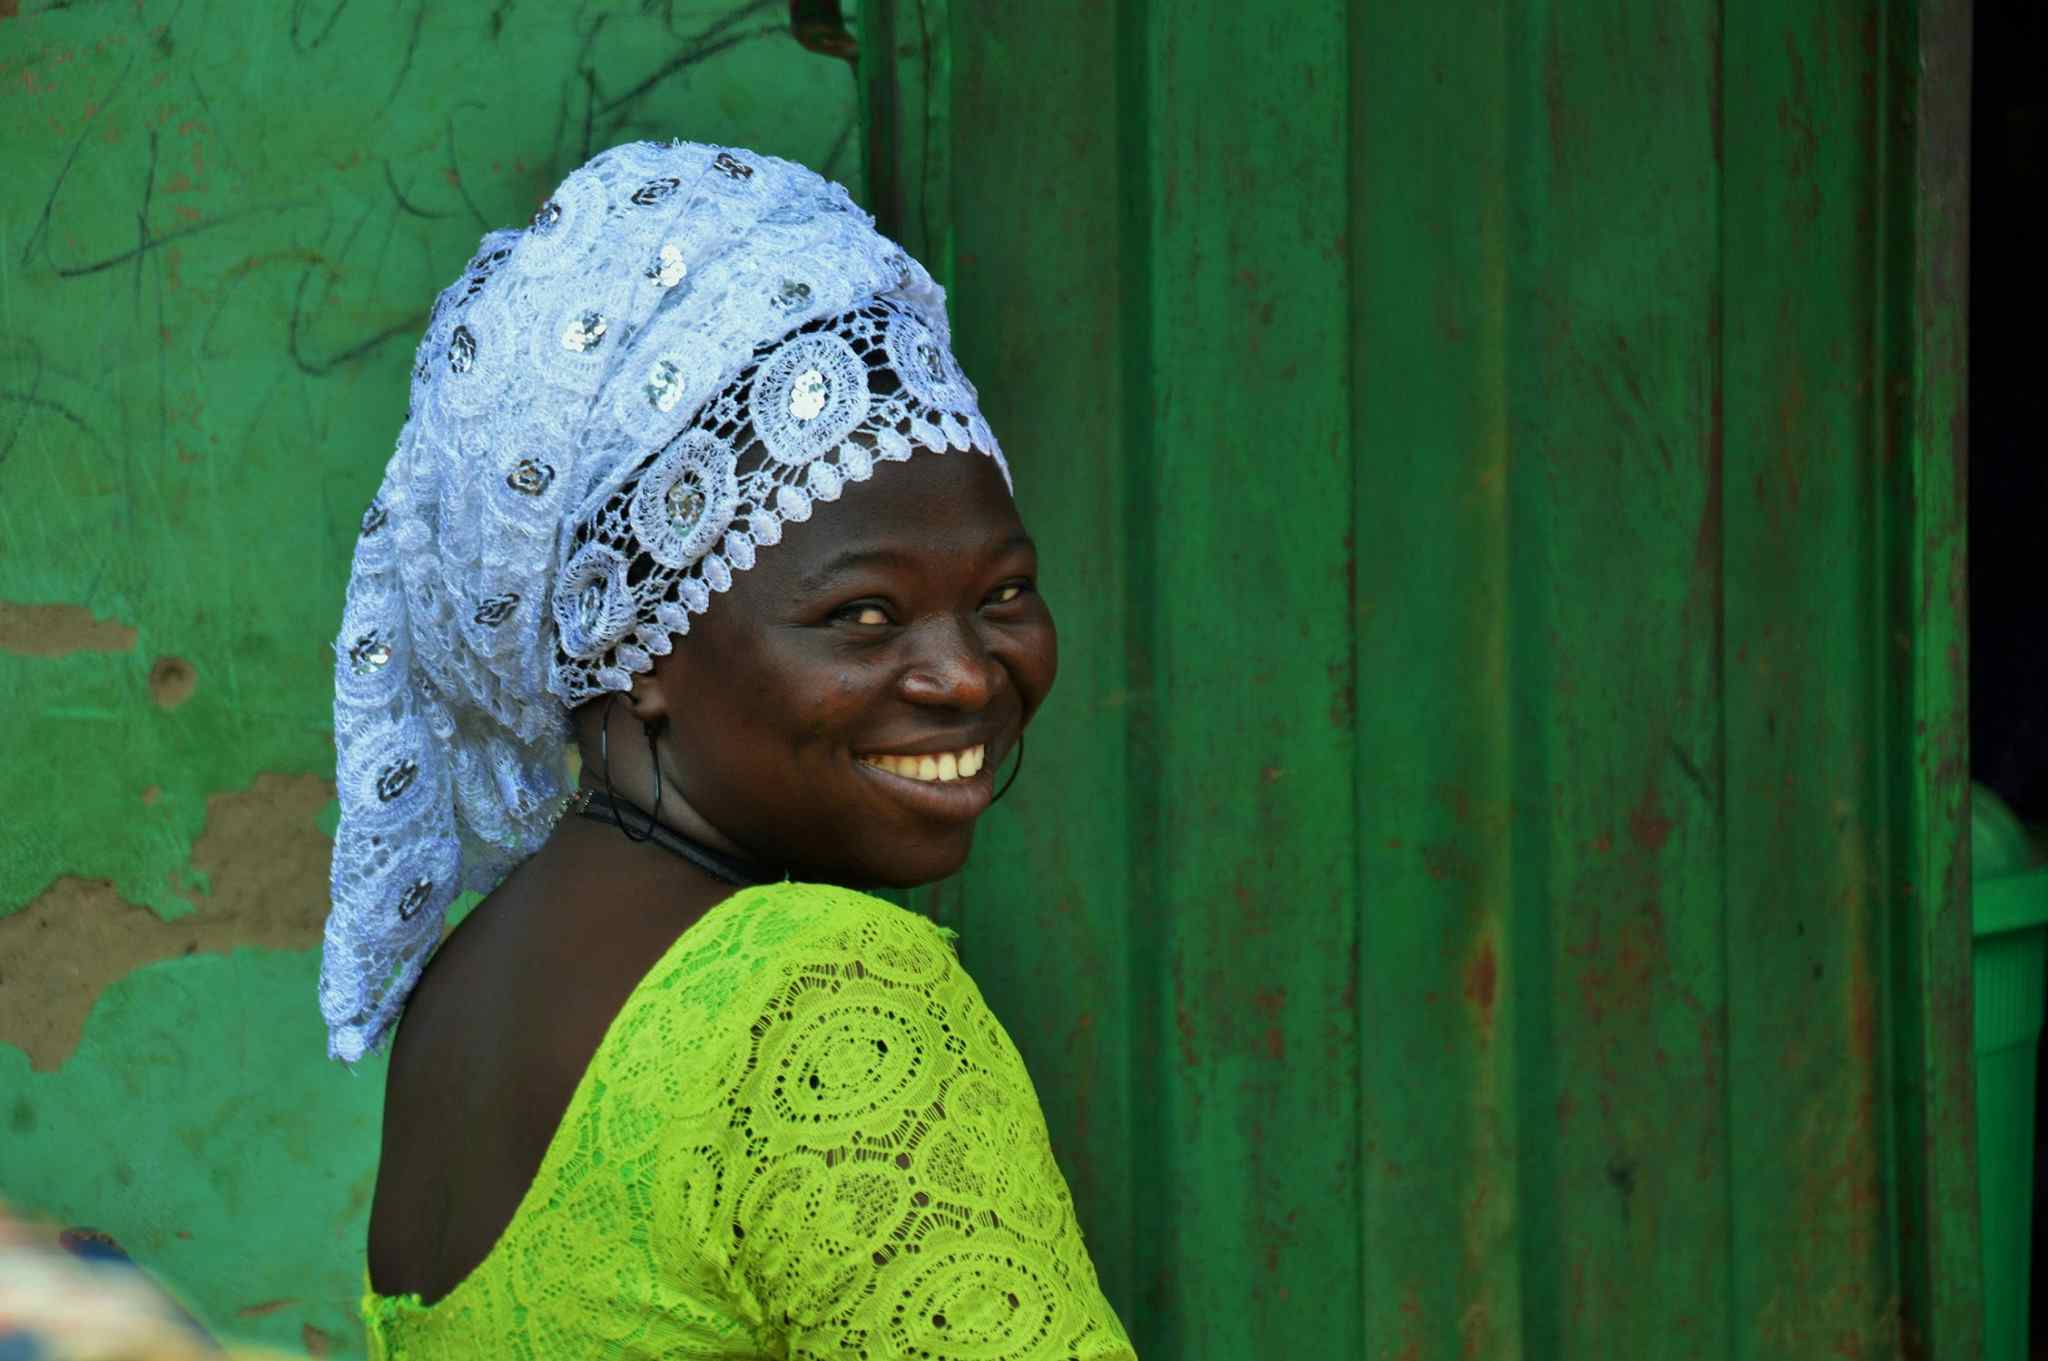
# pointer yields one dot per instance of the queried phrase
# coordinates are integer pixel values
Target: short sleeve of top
(871, 1178)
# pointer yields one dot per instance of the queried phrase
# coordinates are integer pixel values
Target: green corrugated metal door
(1492, 880)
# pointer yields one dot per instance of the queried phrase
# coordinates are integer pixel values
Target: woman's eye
(864, 614)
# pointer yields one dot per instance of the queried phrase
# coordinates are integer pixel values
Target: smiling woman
(690, 477)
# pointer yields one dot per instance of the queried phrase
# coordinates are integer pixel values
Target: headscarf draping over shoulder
(613, 411)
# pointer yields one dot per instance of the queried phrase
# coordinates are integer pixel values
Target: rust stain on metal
(1268, 1003)
(1647, 823)
(1863, 1030)
(1080, 1045)
(266, 862)
(1561, 125)
(1482, 975)
(59, 631)
(1411, 1321)
(1621, 980)
(1447, 862)
(1183, 1019)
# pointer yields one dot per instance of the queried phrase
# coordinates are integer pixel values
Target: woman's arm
(895, 1193)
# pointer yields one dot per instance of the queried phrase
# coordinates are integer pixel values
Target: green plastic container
(2009, 916)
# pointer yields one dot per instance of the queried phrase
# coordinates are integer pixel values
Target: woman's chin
(921, 865)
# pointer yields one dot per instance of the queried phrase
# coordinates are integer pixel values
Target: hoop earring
(604, 755)
(1013, 769)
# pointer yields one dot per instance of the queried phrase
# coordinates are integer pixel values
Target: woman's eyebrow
(849, 560)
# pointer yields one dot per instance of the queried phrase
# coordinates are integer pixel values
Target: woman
(691, 475)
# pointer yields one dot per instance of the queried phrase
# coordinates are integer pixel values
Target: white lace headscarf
(612, 412)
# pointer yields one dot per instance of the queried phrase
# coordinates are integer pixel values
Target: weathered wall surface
(221, 228)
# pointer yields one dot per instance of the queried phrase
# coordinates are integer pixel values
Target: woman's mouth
(932, 767)
(945, 786)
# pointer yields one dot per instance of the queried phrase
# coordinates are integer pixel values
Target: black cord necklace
(730, 869)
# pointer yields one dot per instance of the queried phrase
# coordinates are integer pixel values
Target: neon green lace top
(803, 1136)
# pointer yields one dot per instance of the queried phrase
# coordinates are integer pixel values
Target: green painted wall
(1493, 879)
(221, 229)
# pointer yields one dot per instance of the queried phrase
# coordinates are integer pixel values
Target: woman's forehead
(932, 509)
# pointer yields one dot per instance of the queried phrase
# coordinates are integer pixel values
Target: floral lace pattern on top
(804, 1136)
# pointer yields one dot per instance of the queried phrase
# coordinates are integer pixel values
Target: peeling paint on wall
(59, 630)
(183, 1128)
(259, 879)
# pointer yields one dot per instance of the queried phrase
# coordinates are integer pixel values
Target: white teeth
(952, 765)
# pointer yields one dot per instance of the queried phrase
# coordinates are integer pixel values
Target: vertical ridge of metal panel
(1713, 541)
(1528, 899)
(1926, 644)
(1811, 917)
(1251, 751)
(1434, 698)
(1358, 1331)
(1613, 293)
(1153, 1164)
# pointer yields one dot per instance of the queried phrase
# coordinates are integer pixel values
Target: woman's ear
(646, 700)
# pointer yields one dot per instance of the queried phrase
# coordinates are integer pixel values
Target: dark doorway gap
(2008, 469)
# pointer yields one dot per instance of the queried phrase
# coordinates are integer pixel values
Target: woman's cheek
(1042, 666)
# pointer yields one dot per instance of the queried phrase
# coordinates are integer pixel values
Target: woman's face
(894, 638)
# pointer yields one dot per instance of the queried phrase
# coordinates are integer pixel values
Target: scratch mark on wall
(265, 860)
(142, 218)
(412, 47)
(199, 93)
(298, 25)
(150, 243)
(706, 44)
(319, 367)
(1693, 774)
(455, 167)
(830, 169)
(59, 631)
(405, 204)
(41, 231)
(41, 404)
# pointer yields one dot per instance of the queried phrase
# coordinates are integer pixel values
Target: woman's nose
(952, 668)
